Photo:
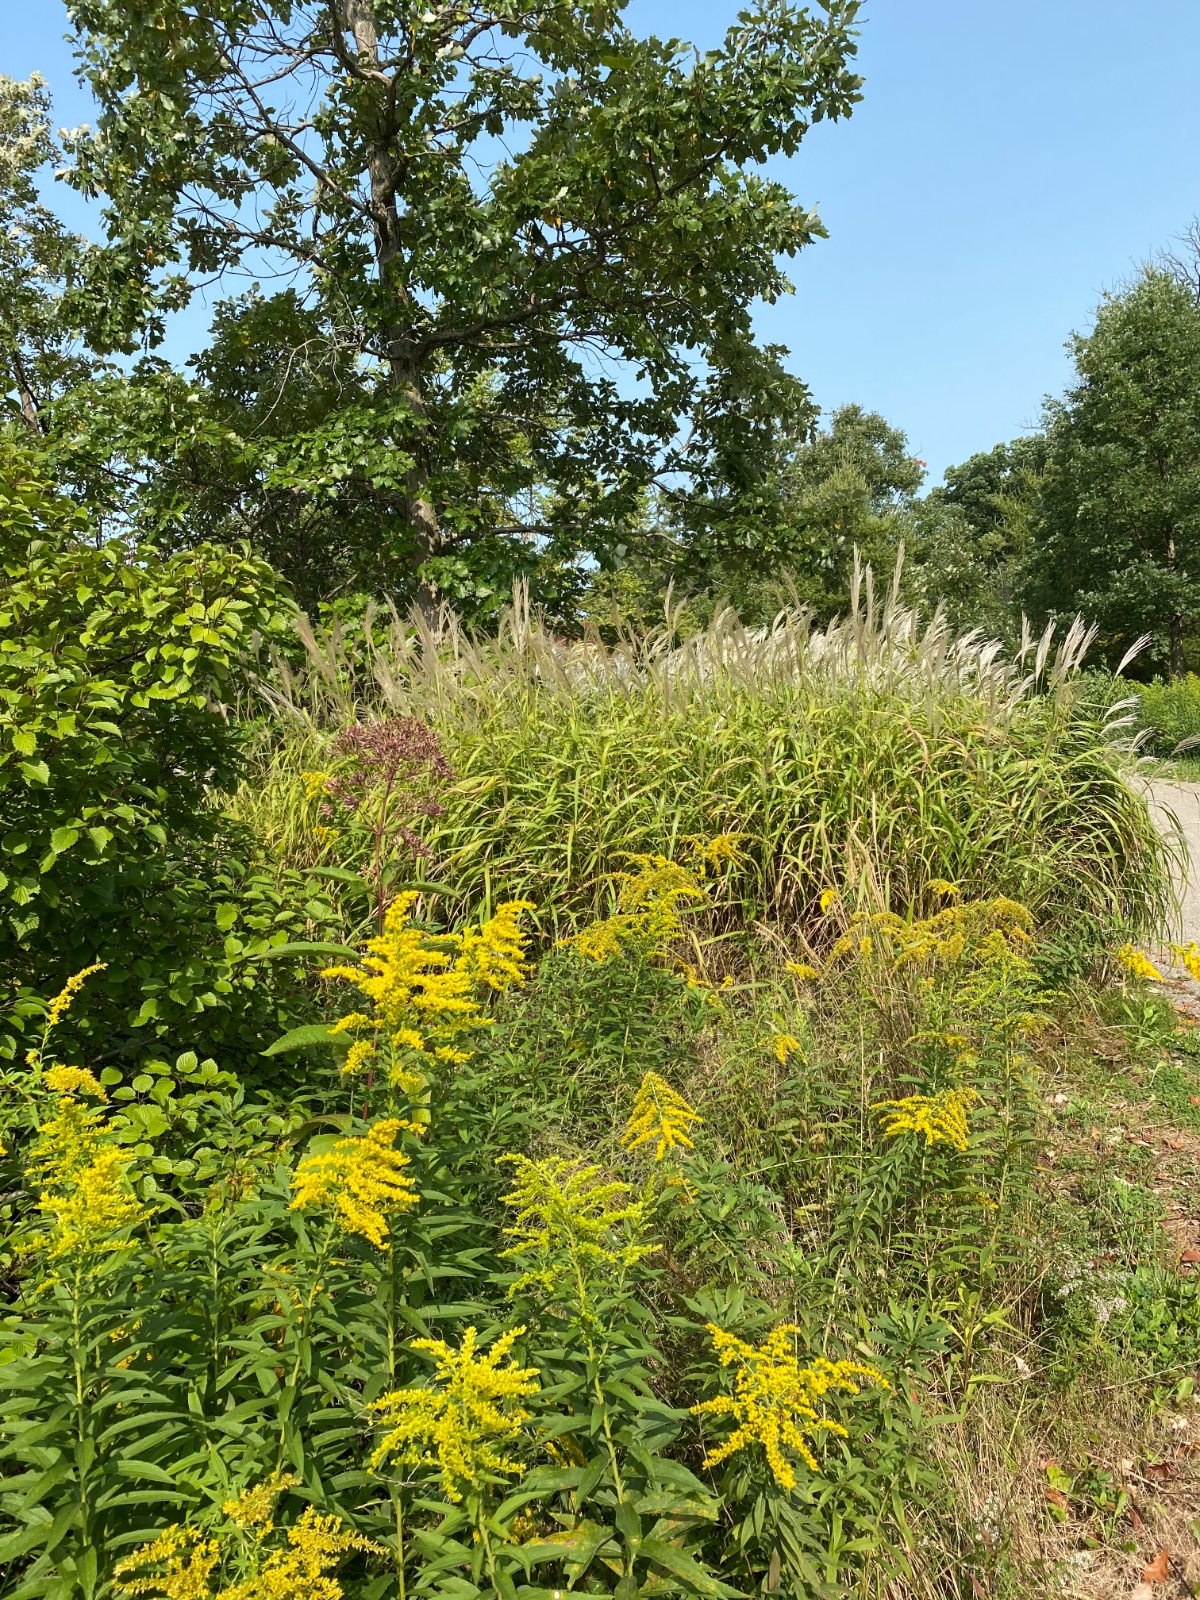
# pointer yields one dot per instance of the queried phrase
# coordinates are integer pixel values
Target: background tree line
(511, 255)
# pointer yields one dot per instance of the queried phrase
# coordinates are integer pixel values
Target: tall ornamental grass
(875, 754)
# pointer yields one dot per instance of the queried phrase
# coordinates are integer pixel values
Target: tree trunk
(29, 407)
(403, 364)
(1178, 666)
(1178, 669)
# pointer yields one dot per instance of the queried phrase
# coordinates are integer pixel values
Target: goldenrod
(659, 1116)
(84, 1189)
(460, 1422)
(1138, 965)
(255, 1507)
(74, 1080)
(774, 1402)
(363, 1180)
(941, 1118)
(61, 1003)
(784, 1045)
(1189, 955)
(187, 1561)
(571, 1223)
(424, 994)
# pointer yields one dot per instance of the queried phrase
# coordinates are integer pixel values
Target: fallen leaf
(1135, 1516)
(1189, 1256)
(1057, 1498)
(1175, 1144)
(1095, 1131)
(1195, 1099)
(1160, 1471)
(1159, 1569)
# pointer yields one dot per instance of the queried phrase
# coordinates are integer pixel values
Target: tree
(973, 533)
(531, 239)
(822, 498)
(1120, 501)
(39, 357)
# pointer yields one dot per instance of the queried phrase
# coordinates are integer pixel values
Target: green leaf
(24, 741)
(576, 1547)
(302, 1038)
(63, 838)
(307, 947)
(35, 771)
(680, 1565)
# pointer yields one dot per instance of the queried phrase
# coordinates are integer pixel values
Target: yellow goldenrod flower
(84, 1190)
(461, 1422)
(571, 1224)
(315, 1544)
(362, 1180)
(1189, 955)
(941, 1118)
(648, 915)
(943, 887)
(784, 1045)
(359, 1053)
(802, 970)
(775, 1399)
(255, 1507)
(424, 994)
(324, 835)
(721, 847)
(314, 784)
(829, 897)
(186, 1562)
(494, 952)
(659, 1117)
(1138, 965)
(74, 1080)
(61, 1003)
(98, 1207)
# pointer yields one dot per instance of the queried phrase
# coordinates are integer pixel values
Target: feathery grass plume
(660, 1117)
(362, 1181)
(572, 1225)
(74, 1080)
(462, 1421)
(940, 1118)
(879, 733)
(424, 991)
(775, 1399)
(1138, 965)
(84, 1189)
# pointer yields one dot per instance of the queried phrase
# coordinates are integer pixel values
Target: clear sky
(1010, 161)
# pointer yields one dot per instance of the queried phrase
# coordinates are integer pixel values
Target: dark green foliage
(499, 347)
(114, 747)
(1120, 539)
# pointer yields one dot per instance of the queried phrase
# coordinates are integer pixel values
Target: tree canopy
(521, 248)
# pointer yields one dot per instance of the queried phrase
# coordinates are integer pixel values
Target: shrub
(113, 745)
(1172, 712)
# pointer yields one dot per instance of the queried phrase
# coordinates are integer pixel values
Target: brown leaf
(1135, 1516)
(1188, 1257)
(1195, 1099)
(1175, 1144)
(1160, 1471)
(1057, 1498)
(1159, 1569)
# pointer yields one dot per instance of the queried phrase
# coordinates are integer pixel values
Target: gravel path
(1176, 808)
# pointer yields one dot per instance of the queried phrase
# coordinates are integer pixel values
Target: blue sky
(1009, 162)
